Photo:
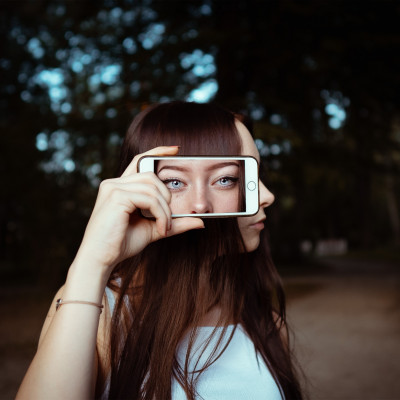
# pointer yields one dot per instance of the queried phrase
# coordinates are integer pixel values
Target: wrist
(85, 281)
(87, 260)
(90, 257)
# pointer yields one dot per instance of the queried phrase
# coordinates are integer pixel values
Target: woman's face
(198, 186)
(250, 227)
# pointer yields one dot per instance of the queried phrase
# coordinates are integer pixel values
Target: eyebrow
(209, 168)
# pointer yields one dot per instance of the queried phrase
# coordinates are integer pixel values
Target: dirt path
(22, 312)
(347, 326)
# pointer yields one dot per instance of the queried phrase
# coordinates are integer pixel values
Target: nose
(201, 203)
(266, 197)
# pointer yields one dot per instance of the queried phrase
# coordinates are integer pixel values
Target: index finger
(157, 151)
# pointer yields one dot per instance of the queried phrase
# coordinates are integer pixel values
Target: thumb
(180, 225)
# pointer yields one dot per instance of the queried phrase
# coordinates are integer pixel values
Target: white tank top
(238, 374)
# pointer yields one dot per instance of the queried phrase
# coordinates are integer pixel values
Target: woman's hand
(116, 229)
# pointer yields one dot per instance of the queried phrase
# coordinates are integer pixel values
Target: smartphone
(207, 186)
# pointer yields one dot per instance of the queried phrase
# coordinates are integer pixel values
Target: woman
(192, 309)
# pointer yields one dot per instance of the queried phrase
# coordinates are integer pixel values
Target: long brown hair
(165, 291)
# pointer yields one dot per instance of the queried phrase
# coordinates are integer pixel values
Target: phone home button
(251, 185)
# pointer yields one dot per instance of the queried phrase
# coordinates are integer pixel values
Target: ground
(345, 318)
(346, 322)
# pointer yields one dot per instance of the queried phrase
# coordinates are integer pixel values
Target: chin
(252, 244)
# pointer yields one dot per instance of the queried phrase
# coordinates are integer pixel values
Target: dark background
(320, 79)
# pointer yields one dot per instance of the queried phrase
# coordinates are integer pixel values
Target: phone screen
(207, 186)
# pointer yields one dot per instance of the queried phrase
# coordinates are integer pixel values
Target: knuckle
(146, 177)
(153, 192)
(150, 176)
(109, 186)
(115, 193)
(105, 185)
(153, 201)
(168, 196)
(105, 182)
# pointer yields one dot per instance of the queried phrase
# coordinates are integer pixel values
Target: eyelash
(169, 180)
(233, 180)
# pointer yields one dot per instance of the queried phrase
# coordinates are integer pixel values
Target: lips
(258, 224)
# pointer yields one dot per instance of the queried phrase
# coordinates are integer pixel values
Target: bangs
(199, 129)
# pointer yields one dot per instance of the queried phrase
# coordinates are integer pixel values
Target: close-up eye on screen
(207, 186)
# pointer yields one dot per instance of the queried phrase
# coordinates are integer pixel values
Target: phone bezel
(146, 164)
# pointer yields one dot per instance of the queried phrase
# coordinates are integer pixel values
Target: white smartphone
(207, 186)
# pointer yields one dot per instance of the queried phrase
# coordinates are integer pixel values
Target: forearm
(64, 365)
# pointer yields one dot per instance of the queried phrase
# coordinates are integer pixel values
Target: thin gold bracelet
(60, 302)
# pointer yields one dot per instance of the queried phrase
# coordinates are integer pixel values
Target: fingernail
(175, 146)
